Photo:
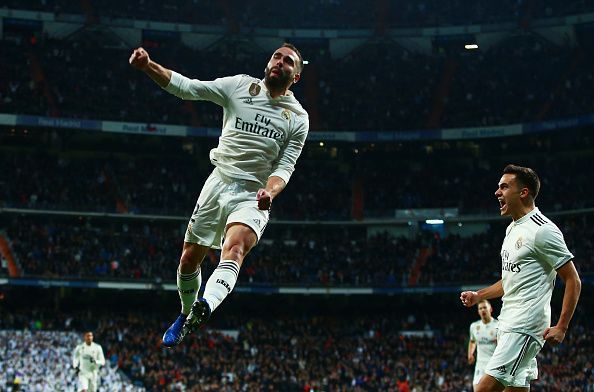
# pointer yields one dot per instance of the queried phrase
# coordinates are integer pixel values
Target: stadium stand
(81, 206)
(390, 344)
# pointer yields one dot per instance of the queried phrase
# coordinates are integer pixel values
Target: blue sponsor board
(349, 137)
(260, 289)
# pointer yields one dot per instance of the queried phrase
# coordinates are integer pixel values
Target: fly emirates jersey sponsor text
(261, 136)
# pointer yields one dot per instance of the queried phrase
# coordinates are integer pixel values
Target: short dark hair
(294, 49)
(526, 177)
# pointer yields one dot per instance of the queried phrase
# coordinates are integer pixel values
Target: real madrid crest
(254, 89)
(519, 243)
(286, 114)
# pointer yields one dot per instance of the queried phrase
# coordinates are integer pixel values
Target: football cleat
(198, 316)
(176, 332)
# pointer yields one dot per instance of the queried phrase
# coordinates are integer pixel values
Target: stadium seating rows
(289, 352)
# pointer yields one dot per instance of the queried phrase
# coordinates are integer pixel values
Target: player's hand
(469, 298)
(139, 59)
(264, 199)
(554, 335)
(471, 359)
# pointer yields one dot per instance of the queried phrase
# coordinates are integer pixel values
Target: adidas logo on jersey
(501, 369)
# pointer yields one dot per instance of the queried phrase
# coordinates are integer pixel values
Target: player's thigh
(83, 382)
(93, 384)
(239, 240)
(488, 383)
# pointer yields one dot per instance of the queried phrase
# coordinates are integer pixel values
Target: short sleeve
(550, 246)
(471, 334)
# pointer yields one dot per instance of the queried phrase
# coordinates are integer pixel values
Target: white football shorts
(222, 201)
(479, 372)
(513, 363)
(88, 381)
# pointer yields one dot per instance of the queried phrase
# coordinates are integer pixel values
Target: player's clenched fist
(139, 59)
(469, 298)
(264, 199)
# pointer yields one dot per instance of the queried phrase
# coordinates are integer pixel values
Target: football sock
(187, 287)
(221, 282)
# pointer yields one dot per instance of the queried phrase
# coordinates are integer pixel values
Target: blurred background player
(483, 339)
(532, 254)
(264, 130)
(87, 359)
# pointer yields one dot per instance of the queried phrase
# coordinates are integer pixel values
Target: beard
(281, 80)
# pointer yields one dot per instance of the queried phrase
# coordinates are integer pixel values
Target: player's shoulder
(545, 228)
(245, 79)
(301, 111)
(539, 220)
(475, 323)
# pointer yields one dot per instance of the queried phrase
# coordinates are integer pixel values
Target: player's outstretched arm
(573, 287)
(141, 60)
(471, 298)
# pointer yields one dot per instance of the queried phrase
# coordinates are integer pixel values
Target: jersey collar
(527, 216)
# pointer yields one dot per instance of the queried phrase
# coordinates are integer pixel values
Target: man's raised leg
(239, 240)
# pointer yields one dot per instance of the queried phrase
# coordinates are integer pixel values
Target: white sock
(220, 283)
(187, 287)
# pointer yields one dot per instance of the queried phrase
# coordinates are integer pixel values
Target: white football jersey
(532, 251)
(88, 357)
(261, 137)
(485, 337)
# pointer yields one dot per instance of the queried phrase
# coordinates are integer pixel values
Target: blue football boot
(176, 333)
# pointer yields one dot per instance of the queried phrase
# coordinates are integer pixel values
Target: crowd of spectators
(329, 182)
(523, 78)
(34, 359)
(287, 255)
(420, 349)
(315, 13)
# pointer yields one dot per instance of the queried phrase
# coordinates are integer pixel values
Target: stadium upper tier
(328, 14)
(378, 86)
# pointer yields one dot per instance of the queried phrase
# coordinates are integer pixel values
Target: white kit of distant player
(88, 358)
(483, 339)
